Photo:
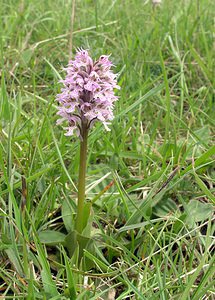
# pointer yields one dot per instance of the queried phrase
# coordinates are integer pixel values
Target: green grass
(153, 229)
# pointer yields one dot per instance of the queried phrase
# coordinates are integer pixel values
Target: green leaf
(206, 71)
(139, 225)
(14, 260)
(204, 188)
(191, 279)
(55, 72)
(71, 242)
(74, 240)
(51, 237)
(97, 261)
(155, 90)
(67, 215)
(88, 218)
(70, 277)
(195, 138)
(164, 207)
(60, 156)
(4, 103)
(49, 284)
(198, 211)
(205, 283)
(26, 55)
(177, 226)
(200, 160)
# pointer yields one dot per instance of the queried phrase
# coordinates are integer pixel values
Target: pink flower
(87, 94)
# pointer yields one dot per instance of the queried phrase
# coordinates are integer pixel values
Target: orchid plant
(87, 96)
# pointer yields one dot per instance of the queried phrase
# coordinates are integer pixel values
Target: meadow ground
(153, 229)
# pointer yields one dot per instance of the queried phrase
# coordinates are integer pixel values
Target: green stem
(81, 180)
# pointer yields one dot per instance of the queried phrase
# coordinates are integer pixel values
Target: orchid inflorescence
(87, 95)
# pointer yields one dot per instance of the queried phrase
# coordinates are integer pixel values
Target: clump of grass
(153, 226)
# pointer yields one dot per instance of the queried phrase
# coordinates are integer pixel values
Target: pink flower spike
(87, 94)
